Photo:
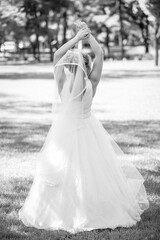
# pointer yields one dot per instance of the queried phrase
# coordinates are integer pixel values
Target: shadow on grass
(110, 74)
(23, 137)
(11, 105)
(27, 76)
(153, 180)
(129, 74)
(11, 199)
(130, 134)
(30, 136)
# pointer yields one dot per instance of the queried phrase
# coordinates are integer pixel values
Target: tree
(101, 16)
(123, 9)
(12, 22)
(139, 18)
(154, 8)
(41, 18)
(33, 12)
(111, 8)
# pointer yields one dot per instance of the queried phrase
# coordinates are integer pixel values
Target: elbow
(101, 52)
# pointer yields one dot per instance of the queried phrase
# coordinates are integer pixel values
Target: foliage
(12, 21)
(154, 8)
(48, 23)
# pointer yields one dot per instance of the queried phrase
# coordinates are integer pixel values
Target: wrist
(76, 38)
(90, 36)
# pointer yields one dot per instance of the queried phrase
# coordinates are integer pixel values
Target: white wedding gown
(80, 183)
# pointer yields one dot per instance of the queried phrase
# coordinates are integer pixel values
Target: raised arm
(95, 74)
(82, 34)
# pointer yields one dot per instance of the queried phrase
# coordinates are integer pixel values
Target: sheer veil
(70, 77)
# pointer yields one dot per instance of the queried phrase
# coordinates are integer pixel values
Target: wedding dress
(80, 183)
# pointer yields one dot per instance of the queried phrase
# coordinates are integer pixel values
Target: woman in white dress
(80, 182)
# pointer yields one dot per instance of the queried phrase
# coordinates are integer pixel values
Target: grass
(22, 134)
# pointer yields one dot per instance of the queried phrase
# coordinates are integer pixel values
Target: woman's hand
(79, 25)
(83, 33)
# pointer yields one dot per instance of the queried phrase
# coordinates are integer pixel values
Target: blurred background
(32, 30)
(127, 101)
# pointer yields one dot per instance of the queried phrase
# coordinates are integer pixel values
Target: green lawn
(23, 132)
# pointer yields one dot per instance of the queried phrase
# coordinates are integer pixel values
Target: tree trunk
(50, 38)
(121, 28)
(64, 27)
(146, 40)
(144, 27)
(51, 52)
(57, 31)
(146, 47)
(34, 49)
(37, 47)
(37, 31)
(107, 40)
(157, 44)
(107, 36)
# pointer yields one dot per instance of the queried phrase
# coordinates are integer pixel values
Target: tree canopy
(49, 23)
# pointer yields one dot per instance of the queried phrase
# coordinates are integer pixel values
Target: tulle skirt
(81, 183)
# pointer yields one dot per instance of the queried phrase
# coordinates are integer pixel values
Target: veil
(68, 107)
(70, 77)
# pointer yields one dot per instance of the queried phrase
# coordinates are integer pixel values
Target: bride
(80, 182)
